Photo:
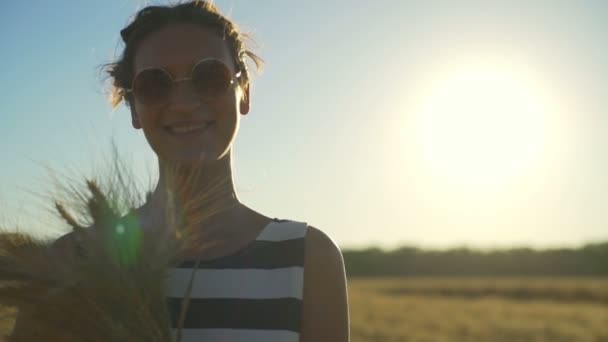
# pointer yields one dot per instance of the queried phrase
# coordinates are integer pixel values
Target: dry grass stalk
(114, 289)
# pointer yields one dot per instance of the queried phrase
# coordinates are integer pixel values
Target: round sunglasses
(211, 78)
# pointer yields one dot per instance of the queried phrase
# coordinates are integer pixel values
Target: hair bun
(142, 17)
(124, 33)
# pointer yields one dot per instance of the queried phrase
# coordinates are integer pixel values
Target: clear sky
(431, 123)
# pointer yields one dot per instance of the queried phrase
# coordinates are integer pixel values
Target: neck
(212, 178)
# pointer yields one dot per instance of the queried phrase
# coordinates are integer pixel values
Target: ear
(244, 104)
(134, 118)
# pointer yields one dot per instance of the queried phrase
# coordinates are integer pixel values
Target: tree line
(588, 260)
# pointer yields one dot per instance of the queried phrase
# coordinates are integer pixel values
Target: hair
(154, 18)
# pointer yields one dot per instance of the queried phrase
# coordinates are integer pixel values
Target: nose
(184, 96)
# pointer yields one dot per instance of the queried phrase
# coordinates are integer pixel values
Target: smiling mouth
(188, 128)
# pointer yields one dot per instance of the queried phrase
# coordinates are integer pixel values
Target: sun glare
(482, 126)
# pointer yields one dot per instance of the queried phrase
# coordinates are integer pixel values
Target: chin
(202, 158)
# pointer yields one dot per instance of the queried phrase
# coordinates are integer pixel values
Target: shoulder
(64, 242)
(325, 304)
(320, 248)
(66, 245)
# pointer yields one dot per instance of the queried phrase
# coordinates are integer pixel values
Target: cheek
(146, 116)
(228, 108)
(227, 119)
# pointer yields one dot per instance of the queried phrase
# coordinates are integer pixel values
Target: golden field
(479, 309)
(475, 309)
(6, 322)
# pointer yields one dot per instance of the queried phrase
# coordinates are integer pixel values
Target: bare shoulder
(65, 245)
(65, 240)
(320, 248)
(325, 302)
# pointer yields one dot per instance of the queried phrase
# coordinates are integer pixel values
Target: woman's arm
(325, 302)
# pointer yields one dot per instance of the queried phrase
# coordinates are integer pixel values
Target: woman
(184, 78)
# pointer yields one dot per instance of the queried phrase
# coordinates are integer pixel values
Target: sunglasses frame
(233, 77)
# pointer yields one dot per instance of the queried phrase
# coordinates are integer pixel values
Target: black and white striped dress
(253, 295)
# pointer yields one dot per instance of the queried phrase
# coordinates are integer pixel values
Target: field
(476, 309)
(479, 309)
(6, 322)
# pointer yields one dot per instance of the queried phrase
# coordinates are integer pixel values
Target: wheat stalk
(114, 290)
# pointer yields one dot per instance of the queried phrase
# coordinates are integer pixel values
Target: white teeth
(186, 128)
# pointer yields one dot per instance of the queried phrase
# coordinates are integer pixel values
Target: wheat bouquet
(110, 285)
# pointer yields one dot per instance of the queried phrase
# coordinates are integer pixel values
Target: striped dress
(252, 295)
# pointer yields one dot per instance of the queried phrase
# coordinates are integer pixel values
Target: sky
(384, 123)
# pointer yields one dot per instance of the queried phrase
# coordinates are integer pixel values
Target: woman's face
(177, 48)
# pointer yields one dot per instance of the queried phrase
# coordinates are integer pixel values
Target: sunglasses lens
(212, 78)
(152, 86)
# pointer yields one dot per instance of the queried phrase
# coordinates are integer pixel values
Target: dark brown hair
(153, 18)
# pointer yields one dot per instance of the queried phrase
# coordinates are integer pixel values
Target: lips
(187, 127)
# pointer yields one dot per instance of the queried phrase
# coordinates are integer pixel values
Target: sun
(481, 126)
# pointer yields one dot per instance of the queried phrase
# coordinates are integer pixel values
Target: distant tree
(589, 260)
